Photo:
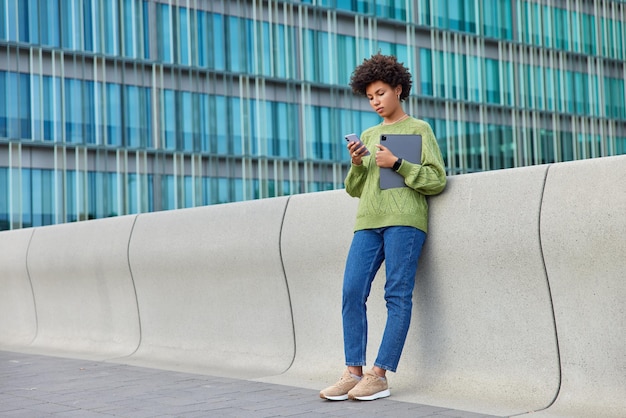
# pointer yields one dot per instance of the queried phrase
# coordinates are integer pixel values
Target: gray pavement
(43, 386)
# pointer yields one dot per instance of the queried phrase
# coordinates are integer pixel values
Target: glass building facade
(113, 107)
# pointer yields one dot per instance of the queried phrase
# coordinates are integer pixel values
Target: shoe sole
(334, 398)
(378, 395)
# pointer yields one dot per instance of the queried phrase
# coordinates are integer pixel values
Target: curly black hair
(384, 68)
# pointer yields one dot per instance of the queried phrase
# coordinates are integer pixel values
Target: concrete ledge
(315, 239)
(482, 336)
(211, 289)
(518, 304)
(485, 336)
(583, 227)
(18, 320)
(84, 294)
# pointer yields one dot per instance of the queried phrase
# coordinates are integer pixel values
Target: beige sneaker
(339, 391)
(370, 387)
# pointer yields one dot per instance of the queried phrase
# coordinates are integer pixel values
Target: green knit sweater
(403, 205)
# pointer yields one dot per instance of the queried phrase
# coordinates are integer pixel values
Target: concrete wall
(583, 234)
(518, 303)
(84, 293)
(211, 290)
(18, 320)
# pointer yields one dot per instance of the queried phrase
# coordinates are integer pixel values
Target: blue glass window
(620, 146)
(37, 108)
(164, 34)
(492, 81)
(5, 221)
(187, 121)
(207, 190)
(218, 43)
(317, 65)
(89, 129)
(546, 26)
(90, 26)
(79, 111)
(139, 193)
(263, 47)
(69, 24)
(423, 8)
(346, 48)
(552, 93)
(222, 191)
(576, 27)
(561, 28)
(284, 49)
(10, 21)
(71, 196)
(102, 195)
(469, 134)
(459, 15)
(111, 30)
(4, 105)
(615, 105)
(567, 146)
(285, 117)
(73, 111)
(133, 193)
(497, 19)
(168, 119)
(235, 120)
(24, 115)
(138, 118)
(361, 6)
(51, 103)
(324, 145)
(581, 93)
(618, 49)
(426, 72)
(204, 122)
(24, 22)
(129, 30)
(189, 191)
(37, 197)
(235, 54)
(222, 138)
(508, 82)
(204, 41)
(475, 69)
(146, 31)
(501, 147)
(391, 9)
(113, 112)
(538, 94)
(547, 153)
(184, 43)
(3, 26)
(589, 34)
(168, 192)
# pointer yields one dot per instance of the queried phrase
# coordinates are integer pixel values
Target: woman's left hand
(384, 157)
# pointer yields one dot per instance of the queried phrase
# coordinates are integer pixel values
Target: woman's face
(383, 98)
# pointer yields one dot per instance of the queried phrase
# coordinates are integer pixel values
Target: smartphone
(354, 138)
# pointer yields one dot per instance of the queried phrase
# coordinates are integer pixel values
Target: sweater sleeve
(429, 177)
(355, 180)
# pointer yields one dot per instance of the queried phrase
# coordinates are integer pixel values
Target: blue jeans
(400, 247)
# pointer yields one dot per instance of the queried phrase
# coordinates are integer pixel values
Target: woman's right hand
(356, 152)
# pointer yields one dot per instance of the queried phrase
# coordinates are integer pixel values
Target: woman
(391, 226)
